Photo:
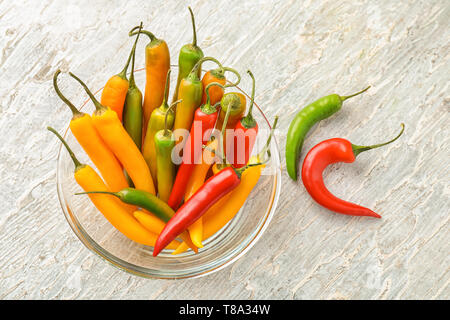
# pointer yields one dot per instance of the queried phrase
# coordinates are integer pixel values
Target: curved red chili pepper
(191, 153)
(318, 158)
(207, 195)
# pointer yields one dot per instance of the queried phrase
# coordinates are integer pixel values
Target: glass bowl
(219, 251)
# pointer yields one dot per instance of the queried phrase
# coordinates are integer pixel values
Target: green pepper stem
(358, 149)
(76, 162)
(222, 135)
(194, 31)
(355, 94)
(103, 192)
(75, 112)
(147, 33)
(239, 171)
(194, 70)
(98, 106)
(208, 99)
(166, 131)
(132, 83)
(123, 73)
(166, 87)
(248, 121)
(233, 84)
(269, 139)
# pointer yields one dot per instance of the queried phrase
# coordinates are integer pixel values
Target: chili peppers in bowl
(132, 135)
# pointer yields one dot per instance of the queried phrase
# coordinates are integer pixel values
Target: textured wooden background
(298, 51)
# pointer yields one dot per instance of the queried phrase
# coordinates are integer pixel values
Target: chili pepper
(302, 123)
(190, 91)
(115, 91)
(164, 142)
(227, 207)
(154, 225)
(157, 64)
(236, 101)
(132, 111)
(87, 136)
(209, 193)
(147, 201)
(189, 55)
(112, 210)
(156, 123)
(195, 181)
(244, 135)
(217, 75)
(205, 119)
(328, 152)
(120, 143)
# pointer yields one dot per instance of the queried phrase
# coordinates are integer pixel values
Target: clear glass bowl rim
(121, 264)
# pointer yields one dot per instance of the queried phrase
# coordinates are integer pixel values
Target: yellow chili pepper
(84, 131)
(156, 123)
(120, 143)
(109, 206)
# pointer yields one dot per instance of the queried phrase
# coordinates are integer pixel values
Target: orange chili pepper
(157, 64)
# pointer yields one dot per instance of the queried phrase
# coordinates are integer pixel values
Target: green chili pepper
(132, 110)
(149, 202)
(165, 168)
(189, 55)
(302, 123)
(156, 123)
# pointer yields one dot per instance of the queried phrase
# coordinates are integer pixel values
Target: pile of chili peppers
(156, 186)
(168, 177)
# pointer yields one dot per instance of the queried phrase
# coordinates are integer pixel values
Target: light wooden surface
(298, 51)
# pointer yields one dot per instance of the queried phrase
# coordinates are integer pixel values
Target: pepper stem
(194, 31)
(233, 84)
(248, 121)
(199, 63)
(355, 94)
(98, 106)
(75, 111)
(358, 149)
(208, 99)
(104, 192)
(147, 33)
(166, 131)
(222, 135)
(166, 87)
(239, 171)
(76, 162)
(132, 83)
(123, 73)
(269, 139)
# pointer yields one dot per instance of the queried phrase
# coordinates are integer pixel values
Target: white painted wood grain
(298, 51)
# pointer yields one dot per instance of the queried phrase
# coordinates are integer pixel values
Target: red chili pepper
(206, 115)
(244, 137)
(207, 195)
(328, 152)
